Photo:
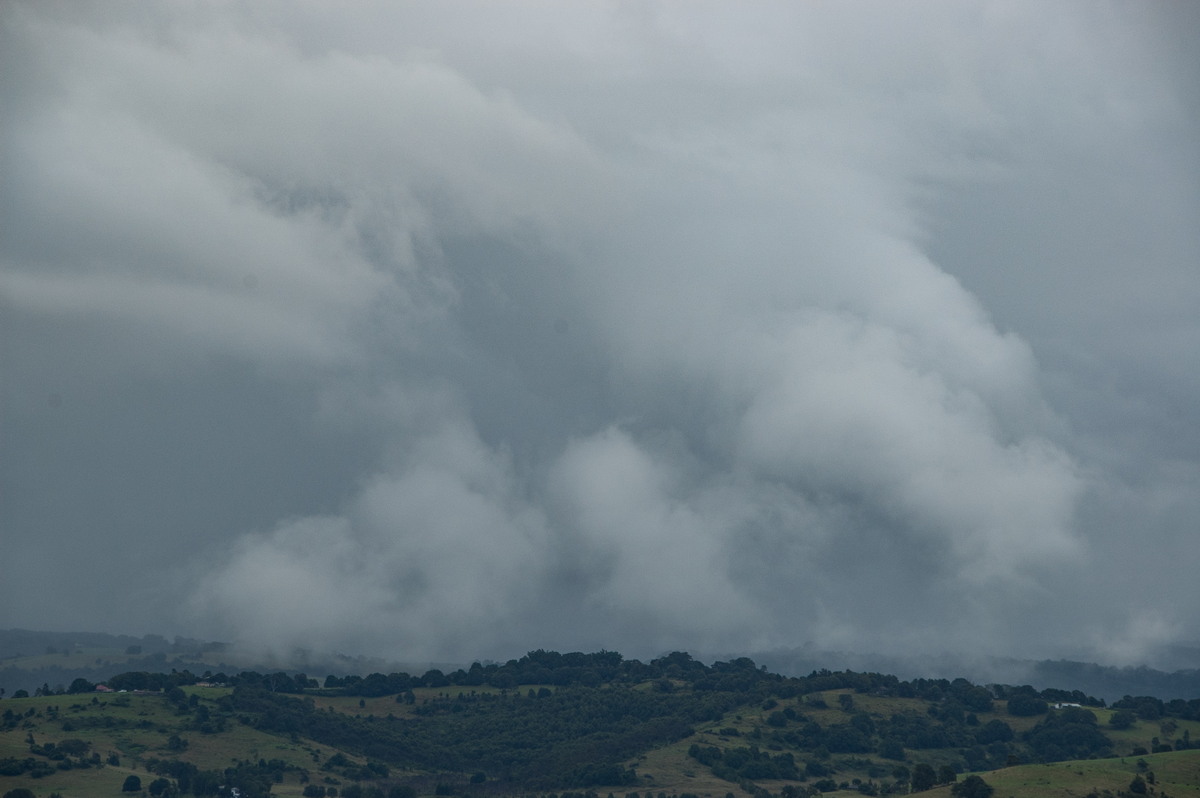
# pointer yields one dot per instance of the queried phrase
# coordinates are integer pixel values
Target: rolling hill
(585, 726)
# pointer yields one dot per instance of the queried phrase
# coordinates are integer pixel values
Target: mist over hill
(30, 659)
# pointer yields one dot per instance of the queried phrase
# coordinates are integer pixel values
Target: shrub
(972, 787)
(1122, 719)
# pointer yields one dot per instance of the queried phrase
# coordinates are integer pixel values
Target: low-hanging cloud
(638, 340)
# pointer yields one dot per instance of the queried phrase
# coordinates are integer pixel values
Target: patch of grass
(1143, 732)
(1176, 773)
(106, 781)
(136, 728)
(669, 769)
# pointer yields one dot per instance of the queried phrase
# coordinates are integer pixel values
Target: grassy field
(1176, 774)
(136, 728)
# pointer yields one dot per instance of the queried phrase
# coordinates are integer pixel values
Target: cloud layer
(458, 331)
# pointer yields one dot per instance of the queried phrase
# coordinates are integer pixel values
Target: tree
(19, 792)
(977, 699)
(1122, 719)
(81, 685)
(160, 787)
(972, 787)
(1071, 733)
(132, 784)
(923, 777)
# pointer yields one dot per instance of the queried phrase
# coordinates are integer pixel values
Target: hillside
(587, 724)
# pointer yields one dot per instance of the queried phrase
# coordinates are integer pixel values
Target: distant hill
(1108, 682)
(30, 659)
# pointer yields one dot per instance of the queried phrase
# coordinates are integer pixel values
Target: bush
(73, 747)
(1122, 719)
(972, 787)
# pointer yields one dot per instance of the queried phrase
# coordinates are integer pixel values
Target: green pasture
(137, 728)
(1176, 774)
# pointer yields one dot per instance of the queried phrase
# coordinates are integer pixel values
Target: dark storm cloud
(455, 331)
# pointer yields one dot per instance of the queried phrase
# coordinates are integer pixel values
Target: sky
(455, 330)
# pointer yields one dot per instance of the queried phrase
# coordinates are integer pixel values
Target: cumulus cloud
(439, 557)
(621, 328)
